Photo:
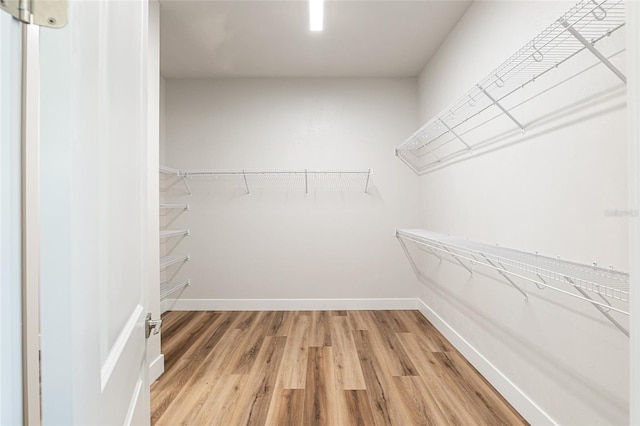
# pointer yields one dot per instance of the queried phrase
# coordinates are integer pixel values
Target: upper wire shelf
(596, 285)
(441, 140)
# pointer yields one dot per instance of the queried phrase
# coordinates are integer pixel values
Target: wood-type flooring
(334, 368)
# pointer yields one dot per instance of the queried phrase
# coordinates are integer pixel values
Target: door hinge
(45, 13)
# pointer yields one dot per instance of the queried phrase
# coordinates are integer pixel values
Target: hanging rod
(439, 140)
(168, 233)
(204, 172)
(166, 261)
(595, 285)
(266, 172)
(168, 288)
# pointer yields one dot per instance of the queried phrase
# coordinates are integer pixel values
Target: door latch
(151, 324)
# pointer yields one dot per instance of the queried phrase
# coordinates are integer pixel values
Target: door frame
(30, 187)
(633, 112)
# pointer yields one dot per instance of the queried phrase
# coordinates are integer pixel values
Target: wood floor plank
(287, 408)
(293, 373)
(347, 364)
(377, 383)
(253, 405)
(338, 313)
(354, 408)
(250, 343)
(416, 323)
(421, 408)
(387, 349)
(358, 320)
(486, 402)
(181, 372)
(449, 399)
(280, 324)
(320, 331)
(320, 403)
(195, 393)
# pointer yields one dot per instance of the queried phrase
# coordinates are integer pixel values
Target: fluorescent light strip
(316, 15)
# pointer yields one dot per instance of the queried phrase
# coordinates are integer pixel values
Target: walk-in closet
(320, 212)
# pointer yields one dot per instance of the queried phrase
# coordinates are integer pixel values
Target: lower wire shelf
(605, 288)
(166, 261)
(168, 288)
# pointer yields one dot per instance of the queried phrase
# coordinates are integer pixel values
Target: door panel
(94, 167)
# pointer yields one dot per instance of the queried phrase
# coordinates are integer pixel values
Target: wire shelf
(596, 285)
(580, 28)
(168, 233)
(166, 261)
(168, 288)
(174, 206)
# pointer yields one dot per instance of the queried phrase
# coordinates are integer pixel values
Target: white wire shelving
(174, 207)
(166, 261)
(306, 176)
(169, 288)
(605, 288)
(171, 172)
(169, 233)
(442, 138)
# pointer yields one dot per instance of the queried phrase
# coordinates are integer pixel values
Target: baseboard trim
(156, 368)
(288, 304)
(533, 413)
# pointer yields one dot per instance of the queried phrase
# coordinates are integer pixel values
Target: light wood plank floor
(317, 368)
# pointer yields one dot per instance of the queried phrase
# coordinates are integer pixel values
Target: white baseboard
(156, 368)
(288, 304)
(516, 397)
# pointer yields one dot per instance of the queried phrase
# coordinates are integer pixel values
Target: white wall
(546, 190)
(10, 222)
(277, 243)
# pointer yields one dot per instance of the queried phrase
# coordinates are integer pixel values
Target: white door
(94, 205)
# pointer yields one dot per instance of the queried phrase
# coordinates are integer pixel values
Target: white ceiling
(213, 39)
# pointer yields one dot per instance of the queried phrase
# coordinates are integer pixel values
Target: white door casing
(94, 168)
(10, 221)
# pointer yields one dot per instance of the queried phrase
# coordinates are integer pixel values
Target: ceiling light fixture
(316, 15)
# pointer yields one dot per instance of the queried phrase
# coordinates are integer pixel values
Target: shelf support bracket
(306, 183)
(411, 261)
(366, 185)
(426, 249)
(246, 185)
(186, 184)
(593, 50)
(454, 133)
(496, 103)
(458, 260)
(502, 271)
(602, 310)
